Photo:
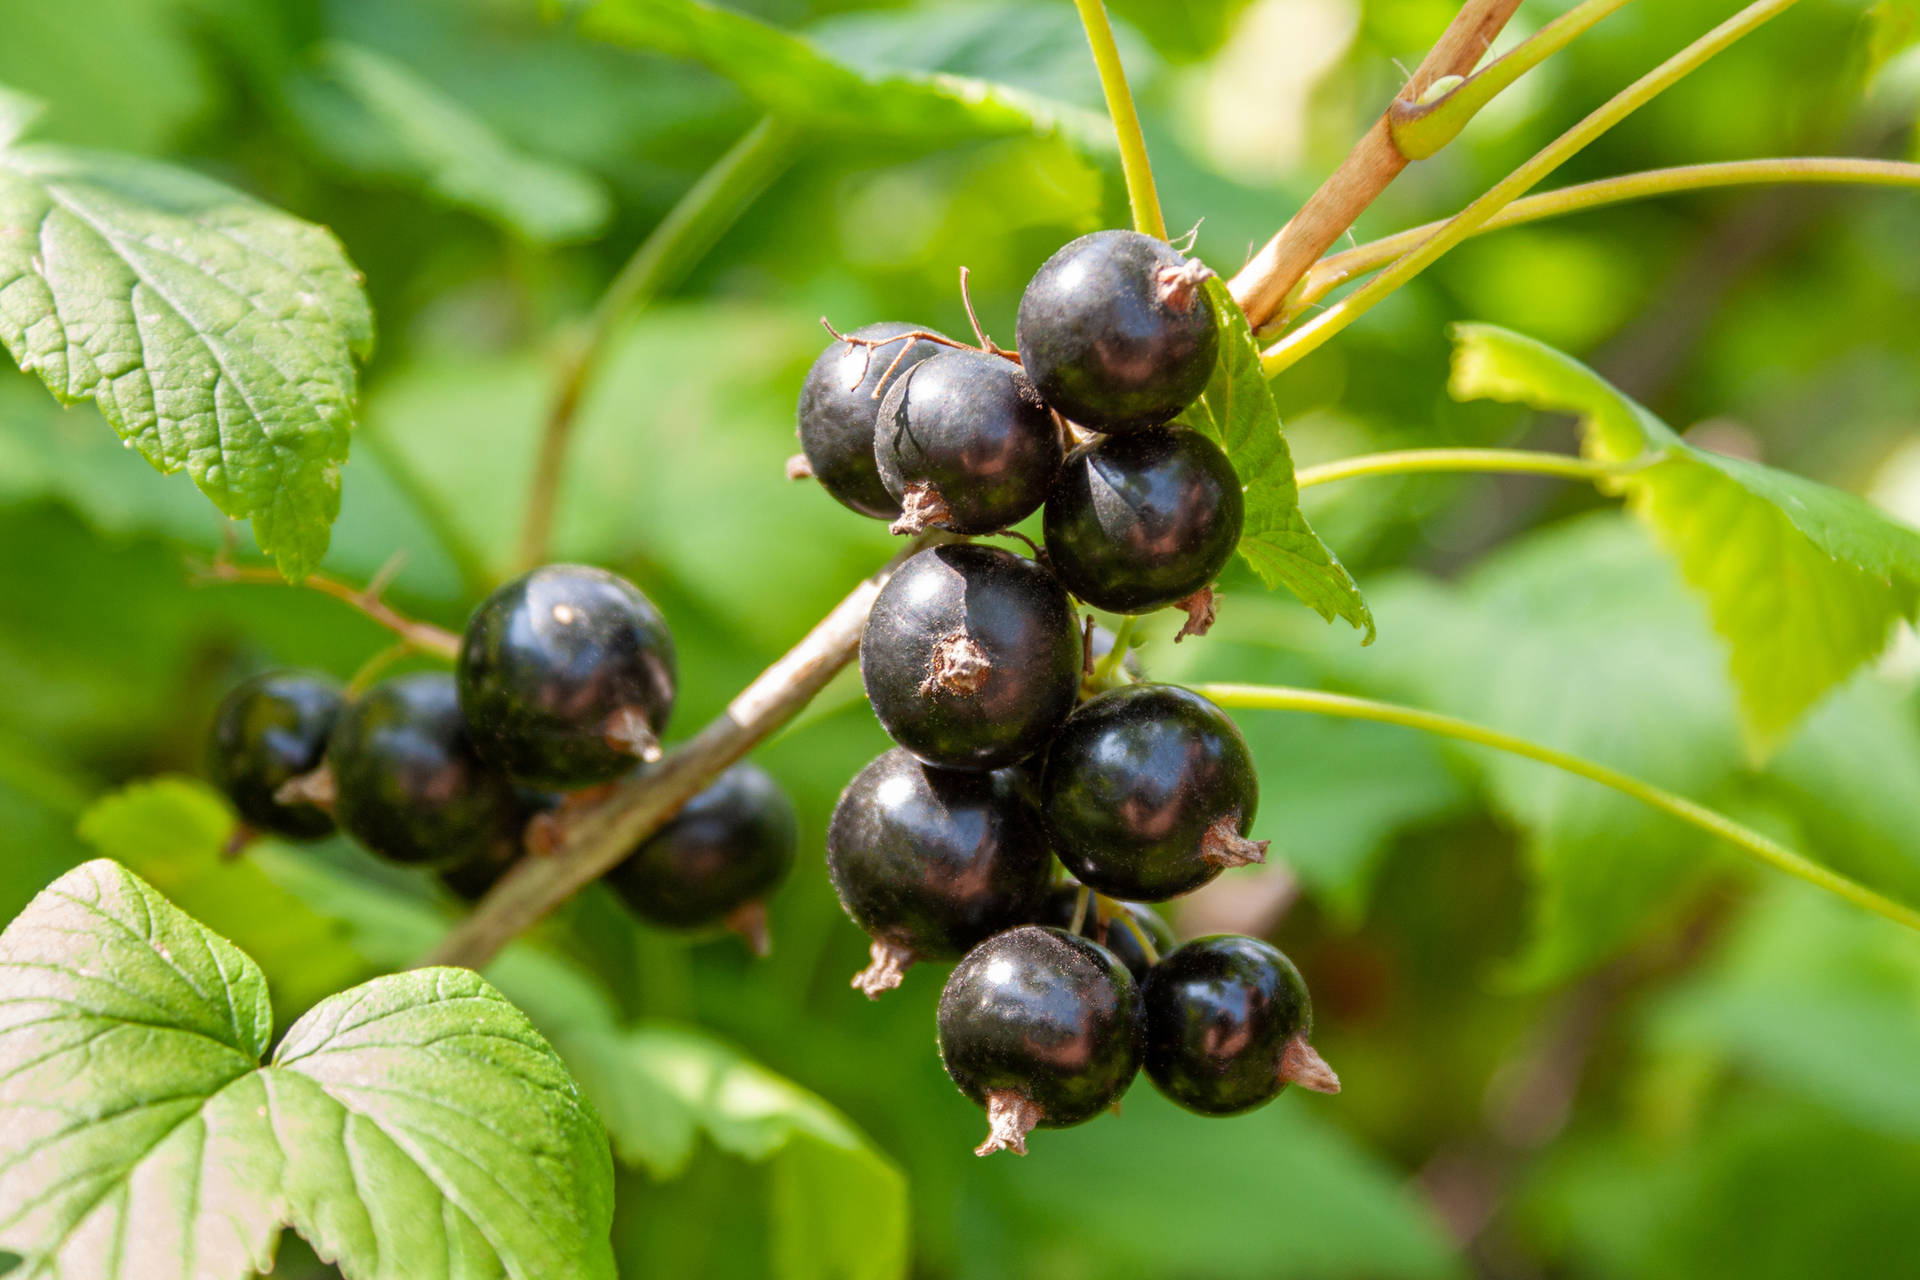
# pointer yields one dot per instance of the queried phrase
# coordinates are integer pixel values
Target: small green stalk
(1147, 218)
(1760, 847)
(1309, 337)
(1504, 461)
(1110, 665)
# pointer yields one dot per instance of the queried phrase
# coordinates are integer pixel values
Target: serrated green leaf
(795, 81)
(215, 333)
(1804, 583)
(394, 125)
(1238, 411)
(171, 833)
(839, 1205)
(416, 1126)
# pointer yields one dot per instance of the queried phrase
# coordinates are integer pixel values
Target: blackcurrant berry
(839, 403)
(268, 731)
(714, 862)
(1143, 520)
(408, 783)
(1063, 903)
(1041, 1028)
(964, 444)
(471, 880)
(971, 657)
(931, 861)
(1227, 1020)
(1149, 792)
(566, 675)
(1116, 331)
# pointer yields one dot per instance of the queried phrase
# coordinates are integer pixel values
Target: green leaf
(839, 1206)
(215, 333)
(1804, 583)
(794, 80)
(171, 833)
(391, 124)
(1238, 411)
(416, 1126)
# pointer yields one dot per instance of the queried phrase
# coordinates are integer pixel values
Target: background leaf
(1805, 583)
(216, 334)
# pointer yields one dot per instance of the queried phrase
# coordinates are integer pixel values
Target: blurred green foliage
(1577, 1040)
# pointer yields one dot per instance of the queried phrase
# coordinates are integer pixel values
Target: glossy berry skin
(470, 880)
(931, 861)
(969, 427)
(1063, 901)
(1220, 1012)
(839, 403)
(1141, 521)
(566, 674)
(1149, 791)
(1045, 1015)
(971, 657)
(1116, 332)
(730, 845)
(268, 731)
(409, 784)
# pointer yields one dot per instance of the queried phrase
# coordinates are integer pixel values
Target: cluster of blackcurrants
(1012, 751)
(566, 678)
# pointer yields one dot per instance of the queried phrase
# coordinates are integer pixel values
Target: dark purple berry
(1149, 792)
(1063, 902)
(931, 861)
(964, 444)
(1143, 520)
(472, 879)
(409, 785)
(1041, 1028)
(268, 731)
(1227, 1021)
(566, 675)
(728, 848)
(971, 657)
(839, 403)
(1116, 331)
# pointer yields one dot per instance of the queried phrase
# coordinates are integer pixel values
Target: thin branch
(1337, 269)
(682, 238)
(1311, 335)
(596, 839)
(1263, 284)
(423, 637)
(1500, 461)
(1147, 218)
(1760, 847)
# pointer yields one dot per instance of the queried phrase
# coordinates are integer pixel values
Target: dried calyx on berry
(1041, 1028)
(931, 861)
(1227, 1021)
(971, 657)
(1150, 792)
(567, 675)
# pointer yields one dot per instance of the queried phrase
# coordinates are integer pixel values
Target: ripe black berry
(1063, 902)
(714, 862)
(408, 783)
(1149, 792)
(971, 657)
(470, 880)
(268, 731)
(1227, 1020)
(1143, 520)
(931, 861)
(964, 444)
(1116, 332)
(1041, 1028)
(839, 403)
(566, 675)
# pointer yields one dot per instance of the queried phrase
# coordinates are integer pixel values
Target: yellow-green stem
(1147, 948)
(1769, 851)
(1311, 336)
(1147, 217)
(1510, 461)
(1103, 675)
(1337, 269)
